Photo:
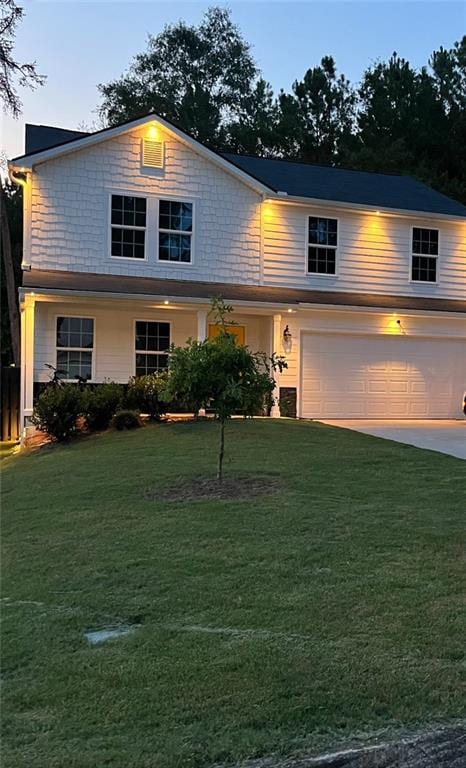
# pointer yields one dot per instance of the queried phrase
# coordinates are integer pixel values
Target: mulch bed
(205, 488)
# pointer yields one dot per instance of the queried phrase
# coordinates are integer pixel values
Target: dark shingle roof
(39, 137)
(151, 286)
(297, 179)
(347, 186)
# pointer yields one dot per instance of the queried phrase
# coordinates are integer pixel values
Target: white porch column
(201, 324)
(277, 348)
(27, 357)
(201, 336)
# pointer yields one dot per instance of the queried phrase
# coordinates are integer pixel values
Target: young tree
(12, 72)
(223, 375)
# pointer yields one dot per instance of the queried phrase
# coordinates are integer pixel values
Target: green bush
(100, 404)
(126, 420)
(145, 394)
(56, 411)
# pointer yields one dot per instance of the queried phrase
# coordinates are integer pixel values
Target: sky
(81, 44)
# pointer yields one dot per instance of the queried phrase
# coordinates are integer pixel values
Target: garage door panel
(378, 387)
(356, 387)
(381, 377)
(399, 388)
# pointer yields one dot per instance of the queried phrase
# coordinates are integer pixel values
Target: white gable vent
(152, 153)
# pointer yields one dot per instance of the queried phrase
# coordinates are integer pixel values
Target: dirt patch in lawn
(231, 487)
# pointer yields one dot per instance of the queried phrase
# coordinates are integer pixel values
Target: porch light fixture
(166, 301)
(287, 339)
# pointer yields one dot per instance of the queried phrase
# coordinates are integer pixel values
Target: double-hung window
(424, 255)
(322, 245)
(75, 345)
(152, 345)
(128, 219)
(175, 231)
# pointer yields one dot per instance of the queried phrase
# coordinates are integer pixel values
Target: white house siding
(70, 212)
(114, 353)
(373, 252)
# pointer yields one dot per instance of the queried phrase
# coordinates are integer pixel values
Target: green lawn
(347, 588)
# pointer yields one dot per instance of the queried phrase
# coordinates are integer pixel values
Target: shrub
(145, 394)
(100, 403)
(56, 411)
(126, 420)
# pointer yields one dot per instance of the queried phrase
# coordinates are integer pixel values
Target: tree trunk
(10, 282)
(221, 451)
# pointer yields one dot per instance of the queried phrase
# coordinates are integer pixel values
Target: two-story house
(358, 278)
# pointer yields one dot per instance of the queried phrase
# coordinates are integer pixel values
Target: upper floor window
(152, 345)
(322, 245)
(175, 231)
(128, 227)
(75, 344)
(424, 255)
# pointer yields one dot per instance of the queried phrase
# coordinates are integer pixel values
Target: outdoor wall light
(287, 339)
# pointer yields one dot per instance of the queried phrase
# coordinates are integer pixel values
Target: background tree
(398, 119)
(200, 77)
(317, 118)
(11, 246)
(12, 75)
(414, 121)
(223, 375)
(12, 72)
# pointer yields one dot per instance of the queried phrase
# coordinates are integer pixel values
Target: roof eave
(358, 207)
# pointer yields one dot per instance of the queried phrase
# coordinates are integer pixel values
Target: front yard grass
(282, 624)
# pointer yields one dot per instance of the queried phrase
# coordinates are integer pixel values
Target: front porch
(113, 339)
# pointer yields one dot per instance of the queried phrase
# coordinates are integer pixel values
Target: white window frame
(173, 199)
(127, 193)
(148, 351)
(431, 256)
(76, 349)
(326, 275)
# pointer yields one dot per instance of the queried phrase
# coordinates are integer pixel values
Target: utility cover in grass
(97, 636)
(231, 487)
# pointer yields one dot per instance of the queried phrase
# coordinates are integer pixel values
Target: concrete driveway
(445, 436)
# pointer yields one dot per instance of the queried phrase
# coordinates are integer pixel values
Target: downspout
(23, 182)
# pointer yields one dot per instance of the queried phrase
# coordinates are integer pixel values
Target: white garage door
(383, 377)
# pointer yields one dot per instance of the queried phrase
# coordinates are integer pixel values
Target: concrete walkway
(445, 436)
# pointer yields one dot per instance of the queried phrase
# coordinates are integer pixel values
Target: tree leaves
(399, 119)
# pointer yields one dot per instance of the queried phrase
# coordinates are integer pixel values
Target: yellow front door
(236, 330)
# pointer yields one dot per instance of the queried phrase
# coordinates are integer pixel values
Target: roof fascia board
(317, 202)
(27, 162)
